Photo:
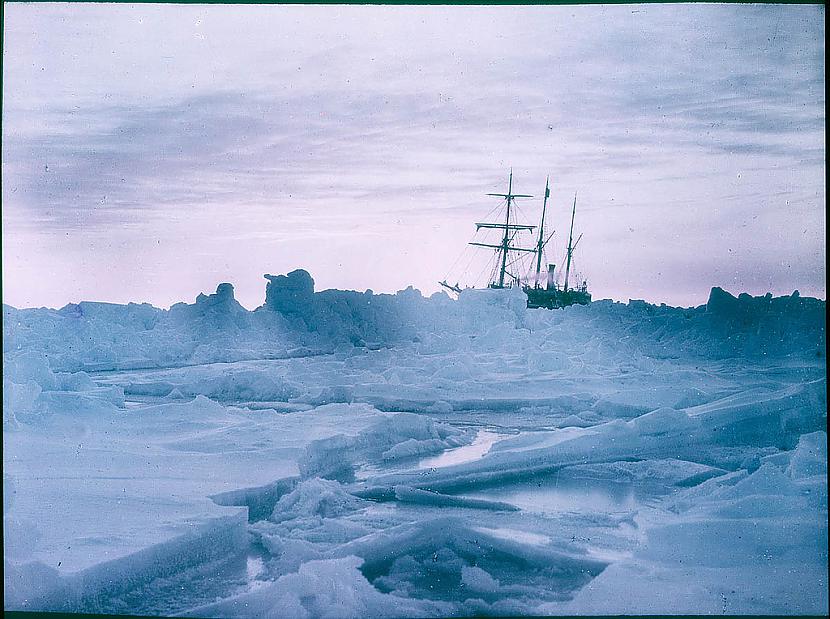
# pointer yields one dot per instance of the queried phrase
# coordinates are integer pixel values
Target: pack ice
(346, 454)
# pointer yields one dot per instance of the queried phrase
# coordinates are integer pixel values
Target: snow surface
(345, 454)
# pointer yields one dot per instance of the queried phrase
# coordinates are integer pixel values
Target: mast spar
(570, 246)
(504, 247)
(540, 244)
(506, 240)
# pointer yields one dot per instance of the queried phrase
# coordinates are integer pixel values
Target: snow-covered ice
(337, 454)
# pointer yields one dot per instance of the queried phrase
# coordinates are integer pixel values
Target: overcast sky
(151, 152)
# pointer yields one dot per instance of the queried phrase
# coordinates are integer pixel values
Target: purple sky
(153, 151)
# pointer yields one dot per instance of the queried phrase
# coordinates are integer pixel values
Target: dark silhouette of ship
(507, 273)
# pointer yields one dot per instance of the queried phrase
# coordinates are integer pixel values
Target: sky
(152, 151)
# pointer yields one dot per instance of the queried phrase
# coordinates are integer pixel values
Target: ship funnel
(551, 281)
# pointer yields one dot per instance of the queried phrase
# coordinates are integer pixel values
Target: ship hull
(553, 299)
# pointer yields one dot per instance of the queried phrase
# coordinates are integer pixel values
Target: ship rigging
(551, 295)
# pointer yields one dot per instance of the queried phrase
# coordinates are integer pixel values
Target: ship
(506, 272)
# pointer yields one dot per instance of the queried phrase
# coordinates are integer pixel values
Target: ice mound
(735, 531)
(810, 456)
(394, 436)
(110, 584)
(18, 579)
(489, 306)
(29, 367)
(218, 313)
(315, 497)
(18, 399)
(587, 457)
(33, 393)
(342, 316)
(761, 517)
(244, 385)
(413, 447)
(291, 294)
(104, 336)
(426, 560)
(767, 325)
(329, 589)
(768, 480)
(765, 416)
(307, 523)
(661, 421)
(713, 435)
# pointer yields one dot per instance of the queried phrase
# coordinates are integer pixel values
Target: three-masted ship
(547, 293)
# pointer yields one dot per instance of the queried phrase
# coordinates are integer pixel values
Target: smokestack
(551, 280)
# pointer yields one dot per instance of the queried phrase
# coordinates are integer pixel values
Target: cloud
(278, 122)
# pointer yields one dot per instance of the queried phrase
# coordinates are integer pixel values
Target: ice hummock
(334, 439)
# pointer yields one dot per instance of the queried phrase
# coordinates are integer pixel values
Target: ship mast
(506, 240)
(540, 244)
(570, 246)
(504, 247)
